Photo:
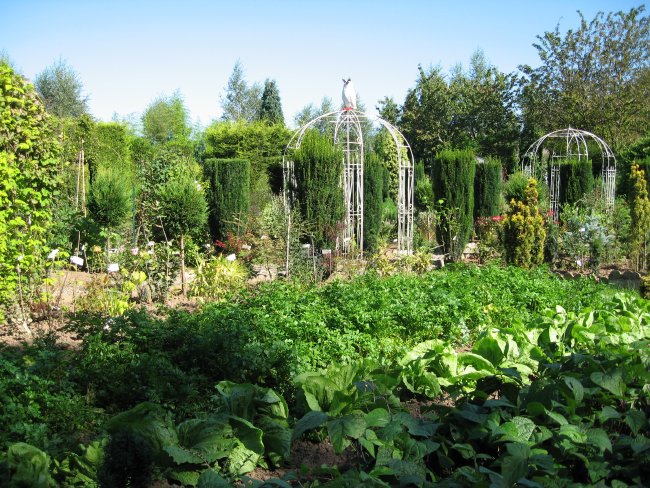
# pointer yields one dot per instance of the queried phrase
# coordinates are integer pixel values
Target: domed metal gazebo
(346, 126)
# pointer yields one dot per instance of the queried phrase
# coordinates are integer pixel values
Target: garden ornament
(349, 95)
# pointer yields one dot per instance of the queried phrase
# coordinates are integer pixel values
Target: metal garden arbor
(346, 126)
(543, 158)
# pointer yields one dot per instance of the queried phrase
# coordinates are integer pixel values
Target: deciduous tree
(61, 90)
(595, 78)
(241, 101)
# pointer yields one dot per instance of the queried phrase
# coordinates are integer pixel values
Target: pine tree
(271, 106)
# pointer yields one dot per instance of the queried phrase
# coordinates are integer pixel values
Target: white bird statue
(349, 95)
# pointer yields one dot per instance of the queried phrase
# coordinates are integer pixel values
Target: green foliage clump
(423, 194)
(524, 234)
(109, 198)
(318, 166)
(515, 187)
(453, 179)
(28, 181)
(260, 143)
(487, 188)
(165, 120)
(576, 180)
(373, 192)
(228, 195)
(218, 278)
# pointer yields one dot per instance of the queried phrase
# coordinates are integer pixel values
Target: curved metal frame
(348, 134)
(575, 147)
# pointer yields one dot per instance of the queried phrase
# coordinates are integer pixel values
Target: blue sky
(127, 53)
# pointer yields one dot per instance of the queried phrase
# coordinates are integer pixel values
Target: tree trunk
(183, 265)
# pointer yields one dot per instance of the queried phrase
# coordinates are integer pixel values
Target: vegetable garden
(172, 316)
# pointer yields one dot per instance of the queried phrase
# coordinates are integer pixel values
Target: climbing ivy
(28, 183)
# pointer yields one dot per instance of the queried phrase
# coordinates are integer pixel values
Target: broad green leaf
(573, 433)
(636, 420)
(612, 381)
(152, 422)
(339, 429)
(379, 417)
(491, 347)
(186, 478)
(29, 466)
(598, 437)
(465, 450)
(535, 409)
(559, 418)
(513, 468)
(310, 421)
(182, 455)
(210, 438)
(276, 438)
(576, 388)
(519, 429)
(249, 448)
(608, 413)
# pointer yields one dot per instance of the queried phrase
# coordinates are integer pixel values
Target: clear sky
(128, 52)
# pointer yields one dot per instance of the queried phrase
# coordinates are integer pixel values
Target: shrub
(218, 278)
(487, 188)
(184, 208)
(453, 177)
(109, 201)
(318, 166)
(373, 175)
(523, 230)
(228, 196)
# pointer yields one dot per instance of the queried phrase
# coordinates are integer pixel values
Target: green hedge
(453, 182)
(228, 196)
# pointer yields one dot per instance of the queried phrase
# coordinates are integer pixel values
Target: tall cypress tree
(318, 166)
(373, 183)
(228, 196)
(453, 179)
(576, 180)
(487, 188)
(271, 106)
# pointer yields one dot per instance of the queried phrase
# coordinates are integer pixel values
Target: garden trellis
(549, 151)
(347, 129)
